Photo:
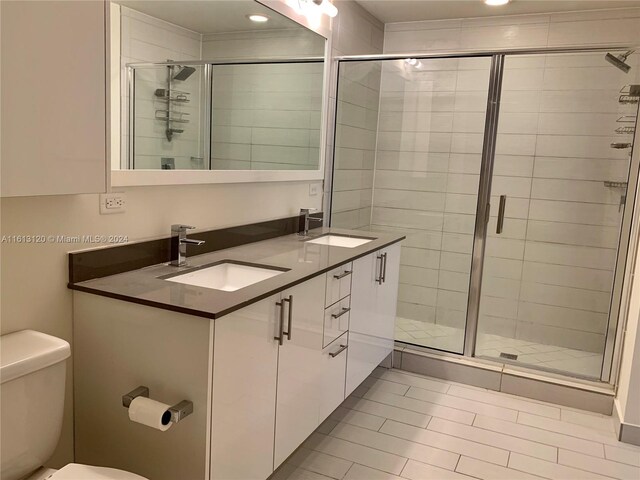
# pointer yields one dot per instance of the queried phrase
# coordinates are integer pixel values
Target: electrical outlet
(114, 202)
(314, 188)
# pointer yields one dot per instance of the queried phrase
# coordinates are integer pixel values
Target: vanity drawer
(338, 284)
(336, 321)
(332, 377)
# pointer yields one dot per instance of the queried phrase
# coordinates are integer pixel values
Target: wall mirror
(223, 86)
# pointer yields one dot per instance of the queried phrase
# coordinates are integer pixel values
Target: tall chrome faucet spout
(305, 212)
(179, 242)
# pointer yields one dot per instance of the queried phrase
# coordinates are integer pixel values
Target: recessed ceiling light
(258, 18)
(495, 3)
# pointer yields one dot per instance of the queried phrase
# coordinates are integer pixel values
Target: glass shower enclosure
(511, 176)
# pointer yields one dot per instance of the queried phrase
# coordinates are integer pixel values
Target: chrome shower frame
(616, 326)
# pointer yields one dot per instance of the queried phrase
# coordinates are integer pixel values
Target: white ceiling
(389, 11)
(211, 16)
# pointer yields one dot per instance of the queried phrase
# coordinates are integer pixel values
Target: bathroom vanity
(290, 328)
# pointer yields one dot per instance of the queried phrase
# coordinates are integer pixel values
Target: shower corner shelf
(173, 97)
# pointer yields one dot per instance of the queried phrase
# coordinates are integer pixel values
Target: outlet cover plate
(114, 202)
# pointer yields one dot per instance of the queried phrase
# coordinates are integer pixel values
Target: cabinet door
(244, 394)
(53, 98)
(334, 364)
(360, 355)
(386, 302)
(374, 298)
(299, 366)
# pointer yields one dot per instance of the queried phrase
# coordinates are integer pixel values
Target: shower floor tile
(442, 337)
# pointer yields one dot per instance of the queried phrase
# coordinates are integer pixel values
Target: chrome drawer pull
(378, 279)
(383, 275)
(343, 274)
(338, 315)
(335, 354)
(289, 326)
(281, 337)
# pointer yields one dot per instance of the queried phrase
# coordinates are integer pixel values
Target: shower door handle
(500, 223)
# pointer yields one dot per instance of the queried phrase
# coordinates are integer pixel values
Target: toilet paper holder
(178, 411)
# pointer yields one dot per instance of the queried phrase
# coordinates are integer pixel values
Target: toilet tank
(32, 377)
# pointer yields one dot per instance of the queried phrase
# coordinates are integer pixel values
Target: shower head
(183, 72)
(619, 61)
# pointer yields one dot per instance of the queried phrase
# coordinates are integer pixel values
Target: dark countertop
(303, 261)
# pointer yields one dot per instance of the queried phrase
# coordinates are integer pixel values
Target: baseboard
(626, 432)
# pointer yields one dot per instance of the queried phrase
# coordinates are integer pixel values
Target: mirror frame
(135, 178)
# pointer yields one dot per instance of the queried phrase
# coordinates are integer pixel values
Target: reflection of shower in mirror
(619, 61)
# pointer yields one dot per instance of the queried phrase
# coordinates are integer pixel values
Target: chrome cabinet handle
(340, 350)
(342, 312)
(281, 337)
(290, 320)
(500, 224)
(383, 277)
(379, 278)
(342, 275)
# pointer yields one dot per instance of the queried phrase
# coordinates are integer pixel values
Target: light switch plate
(314, 189)
(115, 202)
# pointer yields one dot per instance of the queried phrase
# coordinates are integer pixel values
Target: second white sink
(226, 276)
(340, 241)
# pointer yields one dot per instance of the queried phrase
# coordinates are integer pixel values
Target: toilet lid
(77, 471)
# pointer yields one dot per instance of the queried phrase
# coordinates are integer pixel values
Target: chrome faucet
(307, 220)
(179, 243)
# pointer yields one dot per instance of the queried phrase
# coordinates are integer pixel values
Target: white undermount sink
(226, 276)
(340, 241)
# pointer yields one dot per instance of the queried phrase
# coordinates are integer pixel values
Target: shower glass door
(408, 146)
(558, 196)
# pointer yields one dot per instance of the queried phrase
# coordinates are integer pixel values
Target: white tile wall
(572, 222)
(148, 39)
(426, 179)
(264, 117)
(548, 276)
(268, 114)
(355, 32)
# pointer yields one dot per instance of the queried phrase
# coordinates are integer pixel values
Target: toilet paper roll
(150, 413)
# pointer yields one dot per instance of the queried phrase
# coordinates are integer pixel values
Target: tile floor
(400, 425)
(442, 337)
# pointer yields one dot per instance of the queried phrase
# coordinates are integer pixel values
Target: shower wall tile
(596, 31)
(555, 316)
(572, 234)
(515, 31)
(548, 275)
(148, 39)
(567, 276)
(573, 212)
(417, 257)
(455, 262)
(596, 169)
(547, 335)
(503, 36)
(577, 256)
(424, 277)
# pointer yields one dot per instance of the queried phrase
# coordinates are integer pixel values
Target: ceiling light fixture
(327, 7)
(315, 8)
(495, 3)
(258, 18)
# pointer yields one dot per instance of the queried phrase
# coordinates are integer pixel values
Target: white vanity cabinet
(268, 370)
(374, 296)
(261, 378)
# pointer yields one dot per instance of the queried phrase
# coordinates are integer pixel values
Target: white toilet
(32, 378)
